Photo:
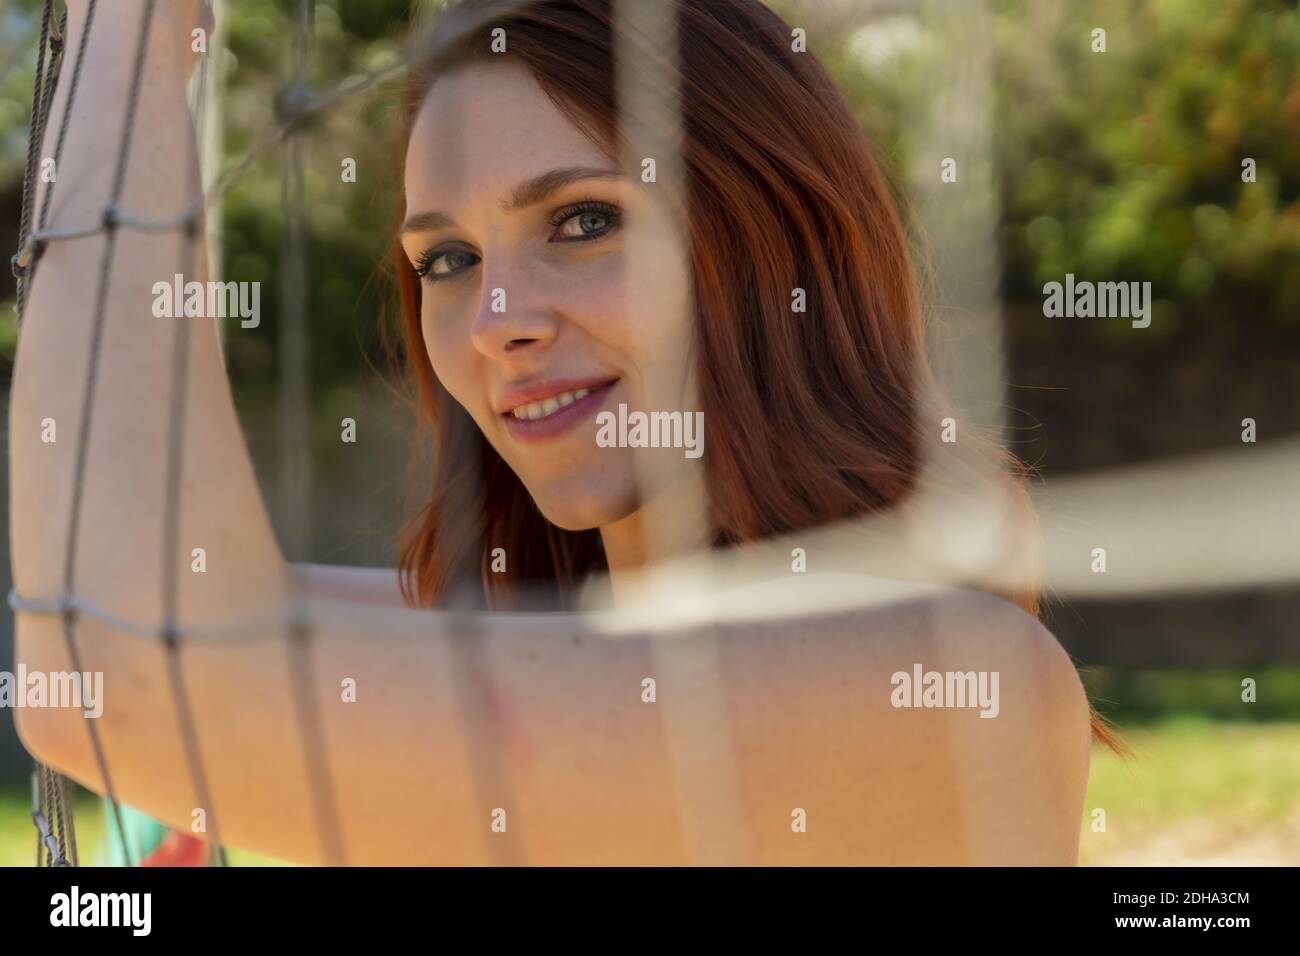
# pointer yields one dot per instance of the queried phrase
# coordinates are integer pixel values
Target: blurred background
(1117, 165)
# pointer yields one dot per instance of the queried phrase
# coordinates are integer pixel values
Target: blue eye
(584, 222)
(438, 264)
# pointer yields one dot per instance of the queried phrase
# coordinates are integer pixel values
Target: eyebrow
(528, 193)
(541, 188)
(427, 222)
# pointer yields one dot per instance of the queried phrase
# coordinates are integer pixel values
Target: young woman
(595, 219)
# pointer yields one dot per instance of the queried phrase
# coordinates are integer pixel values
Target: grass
(18, 835)
(1197, 792)
(1193, 791)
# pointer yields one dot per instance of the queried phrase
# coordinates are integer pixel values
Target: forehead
(486, 127)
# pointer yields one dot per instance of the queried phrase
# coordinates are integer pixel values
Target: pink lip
(528, 392)
(559, 421)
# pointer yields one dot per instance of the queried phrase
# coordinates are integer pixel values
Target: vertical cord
(39, 803)
(55, 784)
(55, 781)
(37, 770)
(88, 395)
(171, 517)
(50, 851)
(45, 813)
(40, 121)
(68, 792)
(58, 147)
(48, 784)
(33, 146)
(295, 437)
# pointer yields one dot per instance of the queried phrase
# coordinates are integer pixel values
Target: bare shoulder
(939, 630)
(950, 728)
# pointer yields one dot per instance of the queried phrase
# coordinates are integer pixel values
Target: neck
(671, 524)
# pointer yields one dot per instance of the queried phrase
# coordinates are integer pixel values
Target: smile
(549, 416)
(537, 410)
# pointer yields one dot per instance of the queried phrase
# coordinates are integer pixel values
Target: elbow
(47, 733)
(56, 736)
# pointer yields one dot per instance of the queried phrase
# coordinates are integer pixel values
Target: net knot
(293, 104)
(112, 218)
(298, 624)
(68, 610)
(28, 252)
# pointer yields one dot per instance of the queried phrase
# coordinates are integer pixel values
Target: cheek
(452, 357)
(638, 313)
(658, 324)
(593, 297)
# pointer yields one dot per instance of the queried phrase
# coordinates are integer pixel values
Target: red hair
(826, 408)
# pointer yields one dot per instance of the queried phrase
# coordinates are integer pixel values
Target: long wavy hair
(781, 191)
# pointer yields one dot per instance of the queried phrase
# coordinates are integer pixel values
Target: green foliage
(350, 223)
(1127, 164)
(1138, 697)
(1117, 165)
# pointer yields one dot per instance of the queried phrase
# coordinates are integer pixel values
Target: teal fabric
(144, 834)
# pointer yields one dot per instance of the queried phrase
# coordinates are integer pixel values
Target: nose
(512, 316)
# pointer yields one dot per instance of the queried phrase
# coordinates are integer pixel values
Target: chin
(578, 506)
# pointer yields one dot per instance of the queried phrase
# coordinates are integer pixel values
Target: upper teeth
(548, 406)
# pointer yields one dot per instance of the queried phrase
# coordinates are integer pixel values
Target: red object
(178, 849)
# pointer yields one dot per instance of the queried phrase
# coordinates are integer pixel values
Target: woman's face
(553, 289)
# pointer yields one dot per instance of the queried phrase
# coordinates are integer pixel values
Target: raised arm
(434, 725)
(120, 516)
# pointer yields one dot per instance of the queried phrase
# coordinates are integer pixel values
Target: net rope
(296, 103)
(52, 803)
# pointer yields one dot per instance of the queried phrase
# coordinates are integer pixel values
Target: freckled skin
(612, 307)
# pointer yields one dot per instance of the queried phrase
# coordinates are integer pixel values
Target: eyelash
(424, 265)
(612, 213)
